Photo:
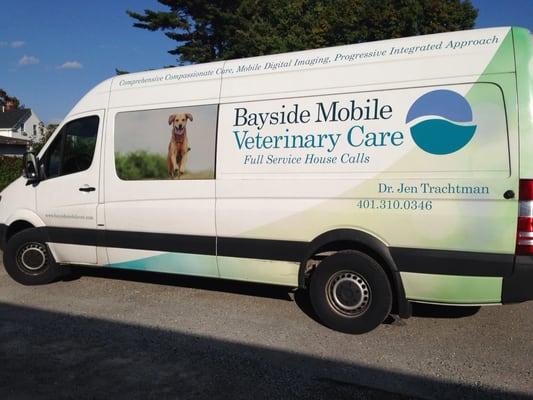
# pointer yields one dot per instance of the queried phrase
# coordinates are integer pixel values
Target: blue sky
(52, 52)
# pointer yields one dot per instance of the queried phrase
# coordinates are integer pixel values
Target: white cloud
(17, 43)
(71, 65)
(14, 44)
(28, 60)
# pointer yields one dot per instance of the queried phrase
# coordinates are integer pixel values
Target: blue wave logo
(444, 122)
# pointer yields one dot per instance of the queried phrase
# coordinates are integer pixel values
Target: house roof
(4, 140)
(9, 119)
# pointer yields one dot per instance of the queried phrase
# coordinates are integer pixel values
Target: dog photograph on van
(178, 148)
(166, 144)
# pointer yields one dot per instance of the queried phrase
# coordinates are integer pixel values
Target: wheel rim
(32, 258)
(348, 293)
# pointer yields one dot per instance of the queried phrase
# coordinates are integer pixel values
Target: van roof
(461, 52)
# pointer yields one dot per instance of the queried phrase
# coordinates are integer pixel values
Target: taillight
(524, 236)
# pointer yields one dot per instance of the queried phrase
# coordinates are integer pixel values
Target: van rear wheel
(28, 260)
(350, 292)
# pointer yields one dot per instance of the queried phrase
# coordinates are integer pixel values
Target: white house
(21, 124)
(12, 146)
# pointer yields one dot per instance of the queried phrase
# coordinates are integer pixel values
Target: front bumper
(518, 287)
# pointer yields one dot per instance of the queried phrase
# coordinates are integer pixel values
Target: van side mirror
(30, 167)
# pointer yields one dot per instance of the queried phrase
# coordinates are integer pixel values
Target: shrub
(10, 169)
(141, 165)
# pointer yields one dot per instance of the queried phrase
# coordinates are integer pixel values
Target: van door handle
(508, 195)
(87, 189)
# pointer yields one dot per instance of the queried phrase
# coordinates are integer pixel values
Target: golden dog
(178, 148)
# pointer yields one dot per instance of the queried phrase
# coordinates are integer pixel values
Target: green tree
(120, 71)
(6, 99)
(208, 30)
(47, 132)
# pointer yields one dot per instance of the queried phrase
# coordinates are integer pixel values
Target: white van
(374, 175)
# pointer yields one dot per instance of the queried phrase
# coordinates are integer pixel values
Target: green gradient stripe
(243, 269)
(524, 81)
(173, 263)
(452, 289)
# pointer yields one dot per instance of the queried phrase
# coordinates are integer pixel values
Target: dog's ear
(189, 116)
(171, 118)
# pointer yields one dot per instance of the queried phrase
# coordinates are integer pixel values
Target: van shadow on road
(57, 355)
(299, 296)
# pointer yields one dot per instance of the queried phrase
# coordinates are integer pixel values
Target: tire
(27, 259)
(350, 292)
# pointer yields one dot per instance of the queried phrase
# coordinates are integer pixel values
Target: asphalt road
(123, 335)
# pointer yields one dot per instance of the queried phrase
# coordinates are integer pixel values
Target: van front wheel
(350, 292)
(27, 259)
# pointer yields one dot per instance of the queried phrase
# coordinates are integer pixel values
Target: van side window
(72, 149)
(166, 144)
